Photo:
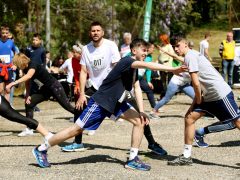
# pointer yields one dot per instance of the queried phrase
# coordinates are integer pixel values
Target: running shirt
(125, 50)
(213, 85)
(36, 54)
(99, 61)
(118, 81)
(6, 49)
(41, 74)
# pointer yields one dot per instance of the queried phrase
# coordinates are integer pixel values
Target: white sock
(45, 146)
(187, 150)
(133, 153)
(48, 136)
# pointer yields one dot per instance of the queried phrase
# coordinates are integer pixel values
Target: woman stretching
(49, 86)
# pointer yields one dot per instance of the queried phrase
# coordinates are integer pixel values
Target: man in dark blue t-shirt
(37, 54)
(110, 101)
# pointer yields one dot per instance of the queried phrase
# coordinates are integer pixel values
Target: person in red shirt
(77, 52)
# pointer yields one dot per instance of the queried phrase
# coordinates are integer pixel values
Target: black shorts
(10, 77)
(225, 109)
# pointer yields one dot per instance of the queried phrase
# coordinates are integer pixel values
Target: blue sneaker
(200, 141)
(74, 147)
(41, 157)
(157, 149)
(136, 163)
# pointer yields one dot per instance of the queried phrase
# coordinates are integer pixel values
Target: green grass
(216, 38)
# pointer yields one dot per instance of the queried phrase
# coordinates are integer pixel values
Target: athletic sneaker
(157, 149)
(41, 157)
(153, 116)
(136, 163)
(71, 119)
(73, 147)
(26, 132)
(200, 141)
(36, 109)
(181, 161)
(91, 132)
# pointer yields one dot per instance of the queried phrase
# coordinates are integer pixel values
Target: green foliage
(70, 19)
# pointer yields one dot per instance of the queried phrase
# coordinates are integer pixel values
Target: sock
(187, 150)
(200, 131)
(48, 136)
(148, 135)
(133, 153)
(44, 147)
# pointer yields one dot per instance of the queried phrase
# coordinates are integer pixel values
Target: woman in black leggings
(49, 85)
(9, 113)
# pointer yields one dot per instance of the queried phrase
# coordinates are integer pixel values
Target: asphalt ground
(107, 150)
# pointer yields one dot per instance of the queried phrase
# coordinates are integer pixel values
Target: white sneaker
(120, 120)
(71, 119)
(26, 132)
(91, 132)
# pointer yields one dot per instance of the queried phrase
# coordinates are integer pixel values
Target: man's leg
(224, 69)
(137, 134)
(150, 95)
(230, 72)
(189, 131)
(229, 111)
(152, 144)
(77, 145)
(40, 152)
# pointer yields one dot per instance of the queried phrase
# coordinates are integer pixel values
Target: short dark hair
(4, 27)
(96, 23)
(150, 43)
(178, 39)
(207, 34)
(137, 43)
(37, 35)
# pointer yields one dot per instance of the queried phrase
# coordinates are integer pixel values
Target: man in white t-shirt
(204, 46)
(98, 58)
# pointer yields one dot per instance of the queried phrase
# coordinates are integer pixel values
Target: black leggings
(56, 90)
(9, 113)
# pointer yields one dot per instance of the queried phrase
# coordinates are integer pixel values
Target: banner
(147, 20)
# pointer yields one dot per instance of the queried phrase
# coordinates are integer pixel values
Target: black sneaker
(157, 149)
(199, 140)
(181, 161)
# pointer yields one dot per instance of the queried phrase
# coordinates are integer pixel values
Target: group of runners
(114, 91)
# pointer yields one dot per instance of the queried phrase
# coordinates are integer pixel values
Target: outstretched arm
(173, 55)
(24, 78)
(156, 66)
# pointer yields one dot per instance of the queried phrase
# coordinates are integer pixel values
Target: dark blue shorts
(225, 109)
(10, 77)
(94, 114)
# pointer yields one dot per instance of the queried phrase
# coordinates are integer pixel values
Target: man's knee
(237, 123)
(138, 122)
(189, 120)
